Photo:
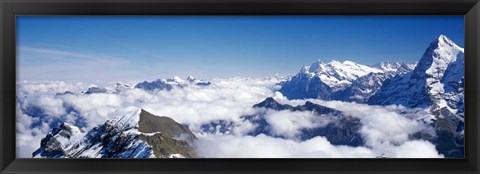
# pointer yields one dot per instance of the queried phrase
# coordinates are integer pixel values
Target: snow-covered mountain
(198, 82)
(364, 87)
(337, 75)
(442, 63)
(107, 89)
(436, 83)
(137, 134)
(346, 81)
(169, 84)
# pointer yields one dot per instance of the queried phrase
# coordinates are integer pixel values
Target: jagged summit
(438, 55)
(323, 80)
(136, 134)
(444, 40)
(423, 85)
(271, 104)
(176, 79)
(337, 74)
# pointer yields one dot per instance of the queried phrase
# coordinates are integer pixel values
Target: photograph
(309, 86)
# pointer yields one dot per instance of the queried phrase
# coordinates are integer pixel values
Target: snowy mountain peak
(442, 39)
(314, 66)
(440, 68)
(128, 120)
(337, 74)
(178, 80)
(347, 62)
(136, 134)
(438, 56)
(321, 80)
(191, 78)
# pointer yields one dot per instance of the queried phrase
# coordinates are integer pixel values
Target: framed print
(232, 87)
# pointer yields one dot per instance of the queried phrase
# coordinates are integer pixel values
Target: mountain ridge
(137, 134)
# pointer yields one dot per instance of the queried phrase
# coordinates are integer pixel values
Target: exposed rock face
(436, 83)
(138, 134)
(442, 63)
(305, 85)
(165, 135)
(345, 81)
(344, 130)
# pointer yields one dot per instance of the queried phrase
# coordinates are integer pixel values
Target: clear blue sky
(150, 47)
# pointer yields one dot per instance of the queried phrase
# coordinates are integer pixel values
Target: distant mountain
(344, 130)
(113, 89)
(193, 80)
(169, 84)
(435, 82)
(137, 134)
(366, 86)
(94, 90)
(393, 67)
(271, 103)
(346, 81)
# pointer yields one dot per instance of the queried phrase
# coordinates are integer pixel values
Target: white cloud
(27, 138)
(225, 99)
(289, 124)
(381, 124)
(415, 149)
(262, 146)
(384, 128)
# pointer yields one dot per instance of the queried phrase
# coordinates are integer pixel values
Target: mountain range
(346, 81)
(169, 84)
(437, 78)
(434, 83)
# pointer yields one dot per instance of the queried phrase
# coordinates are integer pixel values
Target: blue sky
(150, 47)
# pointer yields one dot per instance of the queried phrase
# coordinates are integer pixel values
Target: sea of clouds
(41, 106)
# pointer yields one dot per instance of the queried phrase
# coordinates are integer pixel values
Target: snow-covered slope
(362, 88)
(393, 67)
(123, 137)
(366, 86)
(437, 84)
(425, 85)
(337, 75)
(340, 80)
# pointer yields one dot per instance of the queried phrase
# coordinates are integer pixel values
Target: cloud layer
(385, 129)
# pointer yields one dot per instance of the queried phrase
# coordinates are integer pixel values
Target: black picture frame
(11, 8)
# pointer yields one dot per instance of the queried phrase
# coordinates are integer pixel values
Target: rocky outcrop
(344, 130)
(137, 134)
